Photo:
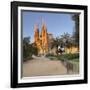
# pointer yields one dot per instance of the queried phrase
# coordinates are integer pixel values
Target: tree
(33, 49)
(67, 40)
(63, 40)
(75, 18)
(55, 43)
(26, 48)
(29, 49)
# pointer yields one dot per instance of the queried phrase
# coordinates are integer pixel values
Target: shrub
(28, 58)
(49, 55)
(68, 56)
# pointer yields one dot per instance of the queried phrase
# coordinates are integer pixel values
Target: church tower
(37, 40)
(36, 33)
(44, 38)
(41, 40)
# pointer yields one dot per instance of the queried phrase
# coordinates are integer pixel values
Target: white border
(57, 77)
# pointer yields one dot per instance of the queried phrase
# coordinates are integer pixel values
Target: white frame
(56, 77)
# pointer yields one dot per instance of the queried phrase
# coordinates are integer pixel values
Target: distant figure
(60, 50)
(59, 47)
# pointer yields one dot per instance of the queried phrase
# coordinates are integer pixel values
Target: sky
(56, 23)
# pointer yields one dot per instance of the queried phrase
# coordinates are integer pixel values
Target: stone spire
(36, 33)
(41, 40)
(44, 37)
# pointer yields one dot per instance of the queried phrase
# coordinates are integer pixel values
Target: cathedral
(41, 39)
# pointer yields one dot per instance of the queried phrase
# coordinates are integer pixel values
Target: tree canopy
(75, 18)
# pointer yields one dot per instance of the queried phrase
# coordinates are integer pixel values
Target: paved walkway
(42, 66)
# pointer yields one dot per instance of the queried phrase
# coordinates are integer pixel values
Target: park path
(42, 66)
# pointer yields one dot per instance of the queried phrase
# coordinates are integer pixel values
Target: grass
(62, 57)
(51, 56)
(68, 56)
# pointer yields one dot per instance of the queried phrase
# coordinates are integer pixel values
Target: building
(41, 39)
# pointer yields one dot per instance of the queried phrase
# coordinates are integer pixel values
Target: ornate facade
(41, 39)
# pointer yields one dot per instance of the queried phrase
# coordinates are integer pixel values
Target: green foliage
(49, 55)
(64, 40)
(33, 49)
(62, 57)
(52, 58)
(68, 56)
(29, 57)
(28, 49)
(75, 18)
